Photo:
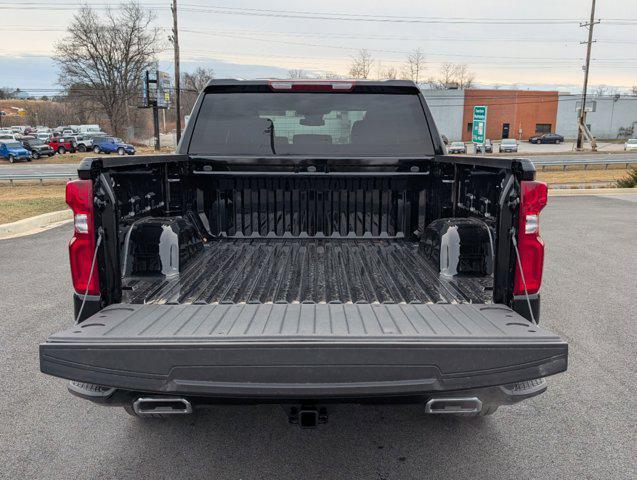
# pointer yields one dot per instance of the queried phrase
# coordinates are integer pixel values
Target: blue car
(112, 145)
(13, 151)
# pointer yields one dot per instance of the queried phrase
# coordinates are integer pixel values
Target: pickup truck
(309, 243)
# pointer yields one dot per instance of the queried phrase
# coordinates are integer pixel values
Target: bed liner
(309, 270)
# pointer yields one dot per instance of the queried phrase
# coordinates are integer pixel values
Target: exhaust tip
(453, 405)
(162, 406)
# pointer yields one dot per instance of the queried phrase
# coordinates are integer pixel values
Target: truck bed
(298, 270)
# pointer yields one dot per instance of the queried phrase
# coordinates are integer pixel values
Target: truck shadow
(358, 442)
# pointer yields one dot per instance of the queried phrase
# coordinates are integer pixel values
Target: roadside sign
(156, 89)
(479, 124)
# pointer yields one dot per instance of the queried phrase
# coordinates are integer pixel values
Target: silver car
(631, 144)
(457, 147)
(508, 145)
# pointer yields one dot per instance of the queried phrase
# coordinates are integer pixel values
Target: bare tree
(329, 76)
(387, 73)
(633, 91)
(297, 73)
(192, 84)
(452, 76)
(463, 77)
(196, 81)
(361, 65)
(415, 65)
(600, 90)
(107, 53)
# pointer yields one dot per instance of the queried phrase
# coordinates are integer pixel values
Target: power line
(340, 16)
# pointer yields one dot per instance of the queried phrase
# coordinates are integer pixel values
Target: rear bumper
(494, 396)
(301, 371)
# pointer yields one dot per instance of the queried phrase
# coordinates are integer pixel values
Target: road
(583, 427)
(35, 169)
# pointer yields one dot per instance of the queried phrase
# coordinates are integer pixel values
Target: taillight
(79, 196)
(311, 85)
(530, 245)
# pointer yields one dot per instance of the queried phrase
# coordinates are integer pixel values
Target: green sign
(479, 124)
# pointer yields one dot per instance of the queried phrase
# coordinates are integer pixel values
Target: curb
(39, 223)
(568, 192)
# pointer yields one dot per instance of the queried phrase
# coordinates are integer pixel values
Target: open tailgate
(300, 350)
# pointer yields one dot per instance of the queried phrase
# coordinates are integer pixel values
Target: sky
(504, 42)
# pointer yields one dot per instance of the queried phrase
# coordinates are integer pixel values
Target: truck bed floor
(308, 271)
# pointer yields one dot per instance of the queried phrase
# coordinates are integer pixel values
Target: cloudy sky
(530, 44)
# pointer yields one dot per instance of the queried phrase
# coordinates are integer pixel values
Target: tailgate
(296, 350)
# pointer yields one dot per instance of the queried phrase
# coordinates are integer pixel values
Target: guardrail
(581, 161)
(32, 176)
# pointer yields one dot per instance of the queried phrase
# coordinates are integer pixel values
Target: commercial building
(447, 108)
(521, 114)
(608, 117)
(516, 114)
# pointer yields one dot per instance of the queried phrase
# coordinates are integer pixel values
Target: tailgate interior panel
(303, 349)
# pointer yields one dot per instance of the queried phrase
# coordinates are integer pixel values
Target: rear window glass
(322, 124)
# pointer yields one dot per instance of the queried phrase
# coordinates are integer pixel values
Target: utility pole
(156, 125)
(582, 112)
(177, 74)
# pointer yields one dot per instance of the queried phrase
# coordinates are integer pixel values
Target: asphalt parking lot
(583, 427)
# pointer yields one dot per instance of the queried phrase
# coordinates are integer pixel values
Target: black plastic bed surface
(301, 270)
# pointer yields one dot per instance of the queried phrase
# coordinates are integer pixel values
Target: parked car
(457, 147)
(94, 135)
(19, 128)
(13, 151)
(7, 136)
(201, 281)
(631, 144)
(61, 145)
(93, 128)
(81, 143)
(44, 136)
(37, 147)
(547, 138)
(488, 146)
(508, 145)
(112, 145)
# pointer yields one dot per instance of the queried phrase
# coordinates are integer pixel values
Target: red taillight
(79, 196)
(530, 244)
(311, 85)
